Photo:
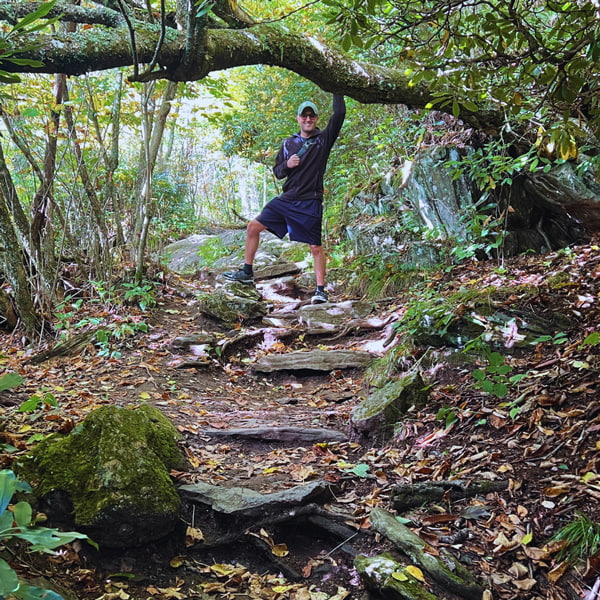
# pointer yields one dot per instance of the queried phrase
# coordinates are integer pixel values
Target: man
(298, 211)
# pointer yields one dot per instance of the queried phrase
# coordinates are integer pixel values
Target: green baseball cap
(306, 105)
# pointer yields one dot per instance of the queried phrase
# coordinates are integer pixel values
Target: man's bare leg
(253, 232)
(246, 274)
(319, 260)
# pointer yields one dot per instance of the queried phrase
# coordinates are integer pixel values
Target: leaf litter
(542, 438)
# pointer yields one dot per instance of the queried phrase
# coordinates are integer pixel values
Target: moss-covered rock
(233, 303)
(378, 414)
(112, 474)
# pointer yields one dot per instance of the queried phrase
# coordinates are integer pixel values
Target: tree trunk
(100, 231)
(42, 232)
(153, 127)
(12, 259)
(110, 155)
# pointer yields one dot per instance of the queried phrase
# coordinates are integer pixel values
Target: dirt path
(540, 439)
(226, 394)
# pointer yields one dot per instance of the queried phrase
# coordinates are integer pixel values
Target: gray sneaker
(240, 276)
(319, 297)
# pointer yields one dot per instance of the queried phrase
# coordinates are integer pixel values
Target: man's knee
(255, 227)
(316, 249)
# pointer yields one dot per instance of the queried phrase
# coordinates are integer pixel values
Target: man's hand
(293, 161)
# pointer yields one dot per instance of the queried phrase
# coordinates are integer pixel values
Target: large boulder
(223, 250)
(199, 251)
(110, 476)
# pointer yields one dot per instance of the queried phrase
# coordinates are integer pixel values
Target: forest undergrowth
(536, 428)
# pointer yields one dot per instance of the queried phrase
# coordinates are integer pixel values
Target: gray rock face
(313, 360)
(548, 210)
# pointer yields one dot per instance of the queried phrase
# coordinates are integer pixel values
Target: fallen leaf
(280, 550)
(415, 572)
(524, 584)
(177, 561)
(558, 571)
(193, 536)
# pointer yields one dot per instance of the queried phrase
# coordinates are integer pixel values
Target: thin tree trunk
(153, 135)
(100, 231)
(42, 234)
(110, 155)
(12, 257)
(12, 201)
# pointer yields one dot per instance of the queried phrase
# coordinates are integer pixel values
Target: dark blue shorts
(301, 219)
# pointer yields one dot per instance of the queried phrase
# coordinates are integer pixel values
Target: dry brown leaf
(193, 536)
(524, 584)
(558, 571)
(558, 490)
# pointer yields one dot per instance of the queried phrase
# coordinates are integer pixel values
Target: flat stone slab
(283, 434)
(276, 270)
(248, 502)
(313, 360)
(331, 313)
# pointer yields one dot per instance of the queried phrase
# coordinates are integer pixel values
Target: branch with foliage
(484, 62)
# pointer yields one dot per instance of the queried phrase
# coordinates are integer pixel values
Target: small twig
(341, 544)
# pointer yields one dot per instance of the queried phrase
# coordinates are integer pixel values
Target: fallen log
(404, 497)
(384, 574)
(74, 345)
(446, 569)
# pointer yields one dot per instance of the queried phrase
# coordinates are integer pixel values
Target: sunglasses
(308, 116)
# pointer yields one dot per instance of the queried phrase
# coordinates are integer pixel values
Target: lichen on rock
(111, 473)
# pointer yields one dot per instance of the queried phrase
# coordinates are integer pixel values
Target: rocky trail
(282, 492)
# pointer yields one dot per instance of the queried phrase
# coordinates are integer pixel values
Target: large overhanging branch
(101, 49)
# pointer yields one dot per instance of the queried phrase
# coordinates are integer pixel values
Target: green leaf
(503, 369)
(44, 539)
(43, 9)
(478, 374)
(10, 380)
(8, 579)
(30, 405)
(32, 592)
(23, 514)
(26, 62)
(203, 8)
(487, 386)
(470, 105)
(496, 358)
(360, 470)
(592, 340)
(6, 77)
(455, 109)
(6, 521)
(500, 390)
(8, 486)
